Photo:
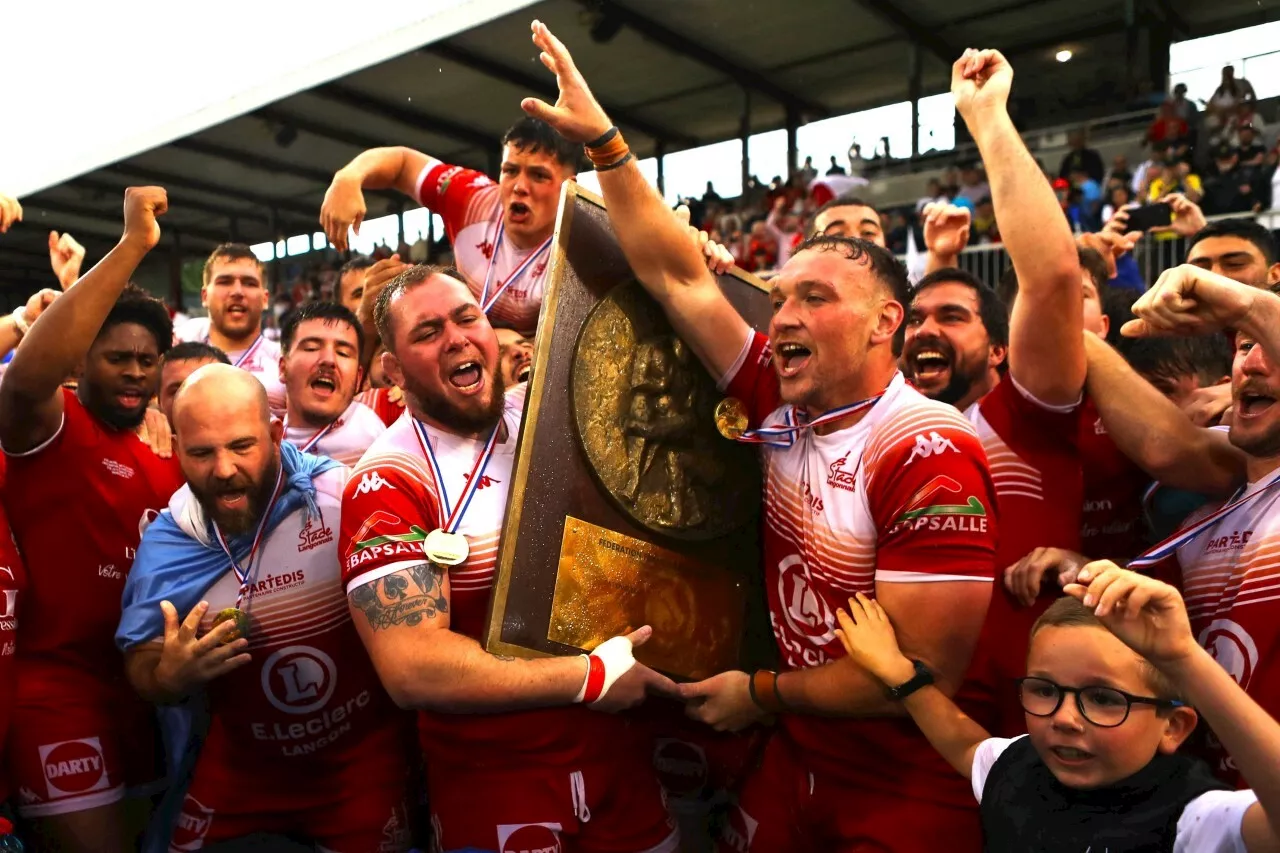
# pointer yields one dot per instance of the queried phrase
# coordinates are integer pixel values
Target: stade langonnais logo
(927, 510)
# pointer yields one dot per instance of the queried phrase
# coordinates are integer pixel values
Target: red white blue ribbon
(487, 301)
(1173, 543)
(243, 573)
(306, 446)
(795, 421)
(454, 512)
(248, 354)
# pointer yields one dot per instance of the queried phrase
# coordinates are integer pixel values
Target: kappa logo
(123, 471)
(299, 679)
(73, 767)
(1232, 647)
(371, 482)
(529, 838)
(934, 445)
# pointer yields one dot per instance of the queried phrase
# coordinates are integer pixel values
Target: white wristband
(610, 661)
(19, 316)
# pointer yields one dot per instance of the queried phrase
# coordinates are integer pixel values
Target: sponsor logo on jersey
(739, 830)
(529, 838)
(485, 480)
(376, 519)
(814, 501)
(1232, 647)
(299, 679)
(192, 825)
(681, 766)
(1100, 505)
(8, 606)
(802, 607)
(486, 249)
(110, 572)
(371, 482)
(1233, 541)
(1099, 428)
(73, 767)
(933, 445)
(387, 545)
(312, 536)
(275, 583)
(922, 513)
(117, 468)
(446, 178)
(839, 478)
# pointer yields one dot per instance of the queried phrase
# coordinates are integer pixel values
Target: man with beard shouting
(869, 487)
(320, 368)
(514, 759)
(247, 553)
(81, 486)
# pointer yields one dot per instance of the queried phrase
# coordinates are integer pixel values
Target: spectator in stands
(1176, 177)
(807, 171)
(710, 195)
(1120, 172)
(1090, 198)
(1118, 197)
(951, 182)
(1234, 188)
(1081, 157)
(933, 193)
(785, 230)
(1148, 169)
(973, 186)
(1182, 107)
(1225, 100)
(1169, 127)
(984, 227)
(857, 165)
(836, 168)
(1249, 149)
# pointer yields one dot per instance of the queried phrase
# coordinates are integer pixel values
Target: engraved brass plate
(609, 584)
(645, 416)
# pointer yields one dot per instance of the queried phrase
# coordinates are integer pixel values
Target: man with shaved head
(235, 593)
(515, 756)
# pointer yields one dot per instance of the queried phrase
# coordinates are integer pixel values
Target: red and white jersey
(388, 406)
(346, 439)
(389, 507)
(903, 496)
(469, 203)
(1035, 466)
(1229, 582)
(262, 359)
(13, 580)
(1113, 526)
(77, 505)
(310, 697)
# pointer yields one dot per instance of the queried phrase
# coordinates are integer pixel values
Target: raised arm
(376, 169)
(1154, 433)
(1046, 352)
(403, 619)
(30, 402)
(655, 242)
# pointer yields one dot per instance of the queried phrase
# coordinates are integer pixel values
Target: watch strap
(922, 678)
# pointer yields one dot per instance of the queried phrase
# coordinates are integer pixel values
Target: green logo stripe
(415, 534)
(972, 507)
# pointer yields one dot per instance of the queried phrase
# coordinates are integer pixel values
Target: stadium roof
(673, 73)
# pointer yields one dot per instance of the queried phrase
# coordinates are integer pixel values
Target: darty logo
(73, 767)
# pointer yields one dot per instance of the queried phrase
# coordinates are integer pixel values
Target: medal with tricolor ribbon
(249, 353)
(445, 545)
(244, 573)
(487, 301)
(731, 419)
(1170, 546)
(306, 446)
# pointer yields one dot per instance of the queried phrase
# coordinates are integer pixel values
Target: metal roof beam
(912, 29)
(93, 214)
(256, 213)
(355, 99)
(169, 180)
(748, 78)
(546, 88)
(1164, 10)
(251, 161)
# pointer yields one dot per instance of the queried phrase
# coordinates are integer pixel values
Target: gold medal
(731, 418)
(446, 549)
(233, 614)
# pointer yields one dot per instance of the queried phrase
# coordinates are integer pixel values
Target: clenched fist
(10, 212)
(980, 82)
(142, 205)
(66, 256)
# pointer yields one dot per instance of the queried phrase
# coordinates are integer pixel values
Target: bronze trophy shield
(627, 507)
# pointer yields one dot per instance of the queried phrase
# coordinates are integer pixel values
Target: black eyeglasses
(1104, 707)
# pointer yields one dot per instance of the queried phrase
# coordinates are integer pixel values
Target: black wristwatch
(922, 678)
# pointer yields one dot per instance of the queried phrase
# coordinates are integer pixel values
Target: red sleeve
(753, 380)
(386, 516)
(450, 191)
(932, 501)
(1022, 421)
(377, 399)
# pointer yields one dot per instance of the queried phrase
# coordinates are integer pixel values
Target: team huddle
(247, 579)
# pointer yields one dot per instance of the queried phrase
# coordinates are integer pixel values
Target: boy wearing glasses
(1108, 669)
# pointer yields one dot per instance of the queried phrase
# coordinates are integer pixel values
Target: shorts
(693, 761)
(611, 807)
(71, 757)
(350, 814)
(784, 806)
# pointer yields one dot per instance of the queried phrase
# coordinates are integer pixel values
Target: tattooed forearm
(404, 598)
